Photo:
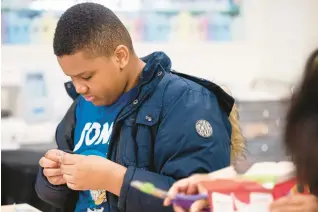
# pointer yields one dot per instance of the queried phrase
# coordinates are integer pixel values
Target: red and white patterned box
(229, 195)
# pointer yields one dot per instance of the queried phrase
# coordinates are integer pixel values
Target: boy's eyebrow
(83, 72)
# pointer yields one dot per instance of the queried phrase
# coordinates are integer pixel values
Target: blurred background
(256, 48)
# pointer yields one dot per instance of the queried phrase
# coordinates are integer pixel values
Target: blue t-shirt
(94, 125)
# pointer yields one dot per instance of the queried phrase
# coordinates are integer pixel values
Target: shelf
(171, 6)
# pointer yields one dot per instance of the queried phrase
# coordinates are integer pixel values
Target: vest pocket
(138, 136)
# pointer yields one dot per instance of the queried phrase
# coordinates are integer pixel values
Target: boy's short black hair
(90, 27)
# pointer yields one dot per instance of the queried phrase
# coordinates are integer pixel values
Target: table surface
(18, 207)
(19, 169)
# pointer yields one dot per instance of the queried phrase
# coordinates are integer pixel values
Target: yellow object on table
(18, 208)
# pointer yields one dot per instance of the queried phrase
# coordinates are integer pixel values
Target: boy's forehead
(76, 64)
(78, 56)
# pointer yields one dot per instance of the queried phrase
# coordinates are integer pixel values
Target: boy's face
(99, 80)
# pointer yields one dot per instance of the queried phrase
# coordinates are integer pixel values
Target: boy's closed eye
(87, 77)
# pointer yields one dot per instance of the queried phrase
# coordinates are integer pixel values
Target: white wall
(283, 32)
(207, 60)
(279, 34)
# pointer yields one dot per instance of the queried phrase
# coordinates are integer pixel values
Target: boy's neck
(134, 69)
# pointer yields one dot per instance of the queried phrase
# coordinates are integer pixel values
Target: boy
(132, 119)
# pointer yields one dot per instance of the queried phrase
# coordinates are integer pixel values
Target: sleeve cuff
(129, 176)
(52, 194)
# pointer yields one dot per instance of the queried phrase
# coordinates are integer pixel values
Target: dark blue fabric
(155, 135)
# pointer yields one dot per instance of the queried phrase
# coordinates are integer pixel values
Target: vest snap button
(159, 73)
(135, 101)
(148, 118)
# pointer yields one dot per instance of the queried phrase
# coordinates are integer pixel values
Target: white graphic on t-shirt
(100, 135)
(95, 210)
(99, 197)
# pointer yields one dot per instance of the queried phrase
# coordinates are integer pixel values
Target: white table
(19, 208)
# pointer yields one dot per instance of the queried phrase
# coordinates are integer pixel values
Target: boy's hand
(92, 173)
(83, 172)
(51, 167)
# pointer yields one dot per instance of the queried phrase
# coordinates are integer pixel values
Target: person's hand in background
(51, 167)
(296, 203)
(188, 186)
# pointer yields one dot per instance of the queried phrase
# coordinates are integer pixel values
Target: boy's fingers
(54, 154)
(47, 163)
(48, 172)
